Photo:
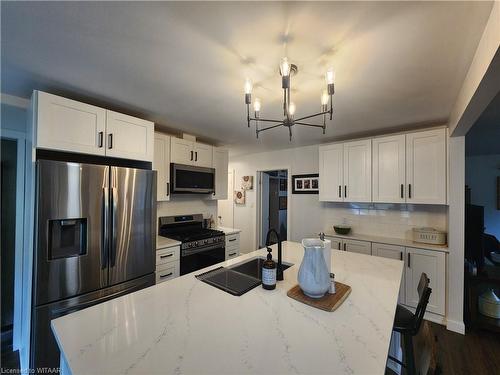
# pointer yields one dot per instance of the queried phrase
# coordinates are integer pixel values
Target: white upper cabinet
(161, 163)
(389, 169)
(203, 155)
(220, 163)
(187, 152)
(426, 167)
(181, 151)
(68, 125)
(358, 171)
(331, 172)
(432, 263)
(129, 137)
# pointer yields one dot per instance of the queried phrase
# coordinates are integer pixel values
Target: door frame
(258, 227)
(20, 138)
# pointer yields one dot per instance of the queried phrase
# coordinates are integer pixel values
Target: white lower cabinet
(355, 246)
(336, 243)
(232, 245)
(393, 252)
(167, 263)
(433, 263)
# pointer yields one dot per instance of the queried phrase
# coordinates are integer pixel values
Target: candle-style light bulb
(324, 98)
(330, 76)
(291, 109)
(256, 105)
(248, 86)
(285, 67)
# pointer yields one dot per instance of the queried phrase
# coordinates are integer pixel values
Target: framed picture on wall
(305, 184)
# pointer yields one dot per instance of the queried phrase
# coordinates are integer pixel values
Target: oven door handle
(187, 252)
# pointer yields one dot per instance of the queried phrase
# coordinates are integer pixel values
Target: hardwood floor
(476, 353)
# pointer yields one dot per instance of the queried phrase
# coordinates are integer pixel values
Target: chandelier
(286, 71)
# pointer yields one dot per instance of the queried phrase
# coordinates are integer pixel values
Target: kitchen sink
(253, 267)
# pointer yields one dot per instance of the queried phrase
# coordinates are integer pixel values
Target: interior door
(132, 222)
(70, 255)
(129, 137)
(358, 171)
(274, 213)
(331, 166)
(389, 169)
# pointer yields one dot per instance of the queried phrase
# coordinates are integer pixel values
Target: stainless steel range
(200, 247)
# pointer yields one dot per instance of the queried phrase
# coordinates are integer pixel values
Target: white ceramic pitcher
(314, 279)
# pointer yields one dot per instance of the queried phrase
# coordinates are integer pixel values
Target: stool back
(424, 292)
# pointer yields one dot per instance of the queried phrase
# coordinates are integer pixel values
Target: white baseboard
(456, 326)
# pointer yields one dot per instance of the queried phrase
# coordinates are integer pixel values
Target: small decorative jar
(314, 278)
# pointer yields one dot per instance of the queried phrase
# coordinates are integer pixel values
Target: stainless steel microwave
(189, 179)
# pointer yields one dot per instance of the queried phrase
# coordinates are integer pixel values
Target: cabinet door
(434, 265)
(68, 125)
(392, 252)
(389, 169)
(129, 137)
(181, 151)
(220, 159)
(203, 155)
(355, 246)
(336, 243)
(331, 166)
(358, 171)
(161, 163)
(426, 167)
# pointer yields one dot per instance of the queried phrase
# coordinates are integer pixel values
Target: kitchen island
(185, 326)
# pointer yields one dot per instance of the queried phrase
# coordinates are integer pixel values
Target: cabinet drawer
(233, 240)
(167, 255)
(232, 253)
(356, 246)
(167, 271)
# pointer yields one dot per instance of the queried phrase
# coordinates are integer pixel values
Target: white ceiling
(182, 65)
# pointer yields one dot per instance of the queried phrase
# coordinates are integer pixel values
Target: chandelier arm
(265, 120)
(316, 114)
(331, 107)
(306, 124)
(248, 115)
(270, 127)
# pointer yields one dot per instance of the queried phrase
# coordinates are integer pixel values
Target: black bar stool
(408, 324)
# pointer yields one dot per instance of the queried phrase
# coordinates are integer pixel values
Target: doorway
(273, 204)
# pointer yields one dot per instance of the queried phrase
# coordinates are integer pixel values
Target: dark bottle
(269, 272)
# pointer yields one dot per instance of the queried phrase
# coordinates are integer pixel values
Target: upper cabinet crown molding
(68, 125)
(401, 168)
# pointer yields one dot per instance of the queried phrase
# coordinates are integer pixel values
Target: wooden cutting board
(329, 302)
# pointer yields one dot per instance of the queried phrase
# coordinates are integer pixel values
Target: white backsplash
(189, 204)
(386, 220)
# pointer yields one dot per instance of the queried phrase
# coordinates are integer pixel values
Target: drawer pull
(231, 240)
(166, 256)
(232, 254)
(167, 275)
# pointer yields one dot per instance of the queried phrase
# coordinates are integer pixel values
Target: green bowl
(341, 229)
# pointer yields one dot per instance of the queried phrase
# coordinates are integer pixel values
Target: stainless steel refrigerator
(95, 241)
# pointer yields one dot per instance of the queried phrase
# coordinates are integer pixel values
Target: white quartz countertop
(389, 241)
(185, 326)
(228, 230)
(163, 242)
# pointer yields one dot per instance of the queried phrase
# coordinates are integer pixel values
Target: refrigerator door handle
(112, 245)
(105, 228)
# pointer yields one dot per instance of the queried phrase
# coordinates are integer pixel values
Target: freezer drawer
(44, 349)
